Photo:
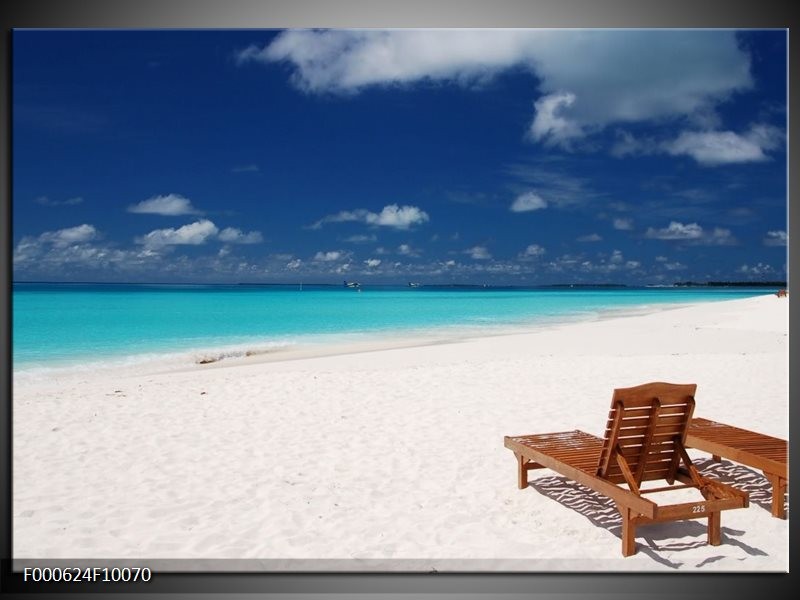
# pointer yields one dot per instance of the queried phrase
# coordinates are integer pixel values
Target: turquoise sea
(68, 324)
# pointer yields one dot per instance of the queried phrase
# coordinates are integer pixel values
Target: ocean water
(57, 325)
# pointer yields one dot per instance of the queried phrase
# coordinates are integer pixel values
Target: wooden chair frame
(757, 450)
(644, 441)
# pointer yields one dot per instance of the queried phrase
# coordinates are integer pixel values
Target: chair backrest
(647, 425)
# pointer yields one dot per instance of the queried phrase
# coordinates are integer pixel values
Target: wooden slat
(662, 464)
(671, 409)
(666, 488)
(610, 442)
(525, 447)
(693, 473)
(770, 454)
(690, 411)
(645, 457)
(626, 473)
(663, 420)
(661, 431)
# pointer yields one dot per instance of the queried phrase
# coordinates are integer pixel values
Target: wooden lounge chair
(770, 454)
(644, 441)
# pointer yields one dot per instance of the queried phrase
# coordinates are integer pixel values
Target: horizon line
(764, 283)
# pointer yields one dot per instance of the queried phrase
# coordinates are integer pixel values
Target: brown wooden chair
(644, 441)
(770, 454)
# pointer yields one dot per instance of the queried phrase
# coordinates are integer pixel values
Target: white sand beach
(392, 459)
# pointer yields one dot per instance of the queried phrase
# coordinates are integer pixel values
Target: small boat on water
(413, 284)
(352, 284)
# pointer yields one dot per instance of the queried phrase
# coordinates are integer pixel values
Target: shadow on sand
(658, 538)
(749, 480)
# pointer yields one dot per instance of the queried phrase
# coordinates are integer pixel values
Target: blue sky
(465, 156)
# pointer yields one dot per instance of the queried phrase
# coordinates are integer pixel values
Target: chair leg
(522, 472)
(716, 458)
(778, 492)
(714, 528)
(628, 531)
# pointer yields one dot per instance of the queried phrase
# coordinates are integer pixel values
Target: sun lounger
(643, 441)
(769, 454)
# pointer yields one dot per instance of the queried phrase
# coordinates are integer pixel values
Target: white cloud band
(169, 205)
(587, 78)
(192, 234)
(392, 215)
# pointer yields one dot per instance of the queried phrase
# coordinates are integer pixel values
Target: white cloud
(232, 235)
(565, 261)
(399, 217)
(712, 148)
(360, 239)
(562, 189)
(71, 235)
(344, 216)
(532, 251)
(627, 144)
(757, 269)
(768, 137)
(592, 237)
(674, 266)
(392, 215)
(707, 147)
(587, 78)
(192, 234)
(295, 264)
(623, 224)
(197, 233)
(478, 253)
(346, 61)
(26, 251)
(330, 256)
(676, 231)
(615, 263)
(692, 233)
(169, 205)
(527, 202)
(56, 254)
(550, 124)
(373, 262)
(55, 247)
(45, 201)
(407, 250)
(776, 238)
(720, 237)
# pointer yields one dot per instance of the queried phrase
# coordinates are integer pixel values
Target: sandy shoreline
(391, 458)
